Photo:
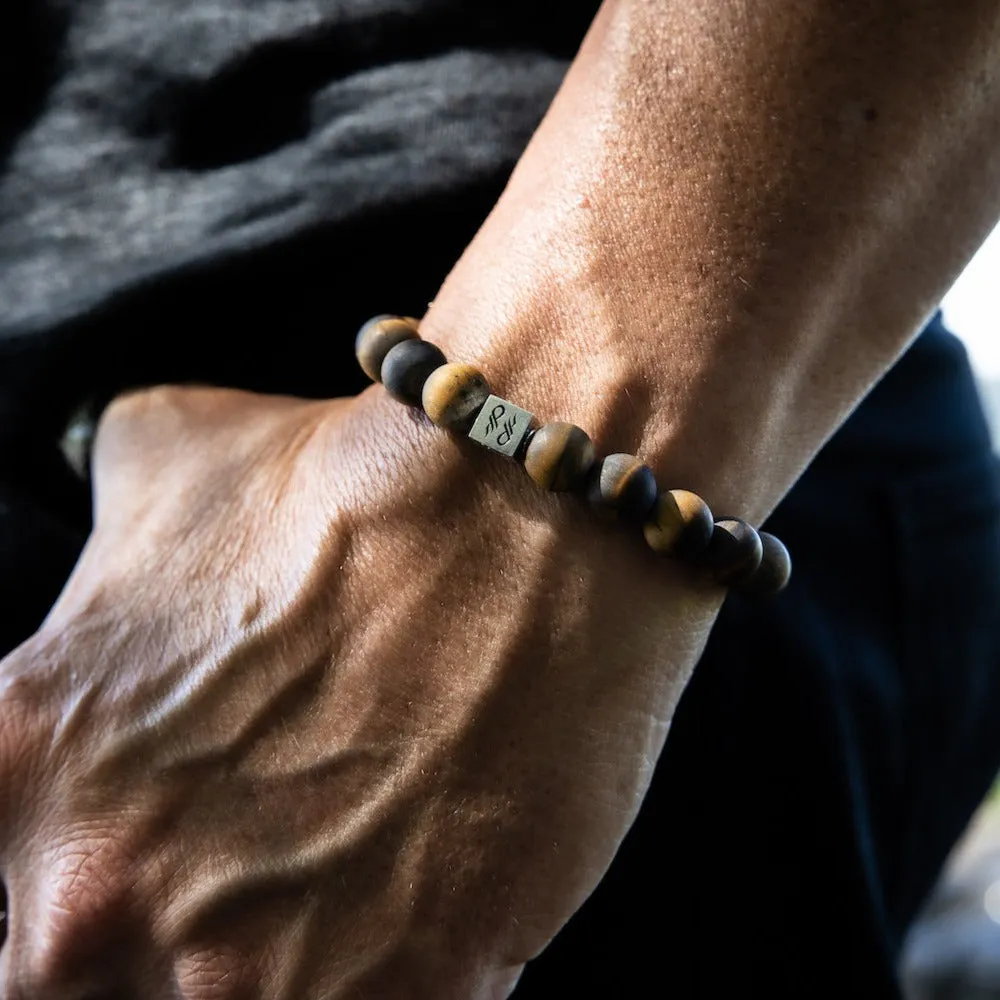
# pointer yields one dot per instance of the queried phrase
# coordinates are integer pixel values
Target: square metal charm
(501, 426)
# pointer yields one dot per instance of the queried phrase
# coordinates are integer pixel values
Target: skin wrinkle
(210, 974)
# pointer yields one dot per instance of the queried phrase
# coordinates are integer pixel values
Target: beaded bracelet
(561, 457)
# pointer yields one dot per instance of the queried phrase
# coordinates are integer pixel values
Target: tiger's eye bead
(679, 525)
(559, 457)
(454, 394)
(378, 337)
(734, 553)
(408, 366)
(774, 572)
(622, 486)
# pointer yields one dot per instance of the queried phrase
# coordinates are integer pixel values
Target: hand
(334, 704)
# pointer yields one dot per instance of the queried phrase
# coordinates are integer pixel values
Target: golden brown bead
(622, 486)
(734, 552)
(774, 572)
(378, 337)
(680, 524)
(454, 394)
(559, 457)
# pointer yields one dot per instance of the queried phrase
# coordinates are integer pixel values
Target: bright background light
(991, 902)
(972, 308)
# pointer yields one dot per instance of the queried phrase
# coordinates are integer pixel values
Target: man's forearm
(731, 222)
(326, 709)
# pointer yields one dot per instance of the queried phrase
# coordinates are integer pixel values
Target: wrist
(574, 316)
(563, 349)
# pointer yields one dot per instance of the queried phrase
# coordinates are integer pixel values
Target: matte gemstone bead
(775, 569)
(559, 457)
(454, 394)
(378, 337)
(408, 366)
(680, 524)
(622, 486)
(734, 553)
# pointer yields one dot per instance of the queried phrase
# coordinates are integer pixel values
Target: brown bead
(378, 337)
(679, 525)
(774, 572)
(408, 366)
(559, 457)
(734, 553)
(622, 486)
(453, 396)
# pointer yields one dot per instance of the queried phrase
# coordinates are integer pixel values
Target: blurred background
(972, 310)
(953, 952)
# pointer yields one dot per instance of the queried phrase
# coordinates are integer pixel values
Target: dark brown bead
(378, 337)
(559, 457)
(622, 486)
(774, 572)
(680, 524)
(734, 552)
(407, 367)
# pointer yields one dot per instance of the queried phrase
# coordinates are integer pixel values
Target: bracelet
(561, 457)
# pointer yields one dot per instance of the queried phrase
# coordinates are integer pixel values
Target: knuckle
(170, 406)
(24, 736)
(91, 883)
(79, 908)
(138, 433)
(159, 425)
(216, 973)
(140, 404)
(131, 419)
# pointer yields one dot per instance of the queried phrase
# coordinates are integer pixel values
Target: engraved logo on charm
(494, 422)
(508, 431)
(501, 426)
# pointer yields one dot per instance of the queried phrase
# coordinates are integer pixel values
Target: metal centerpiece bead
(501, 426)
